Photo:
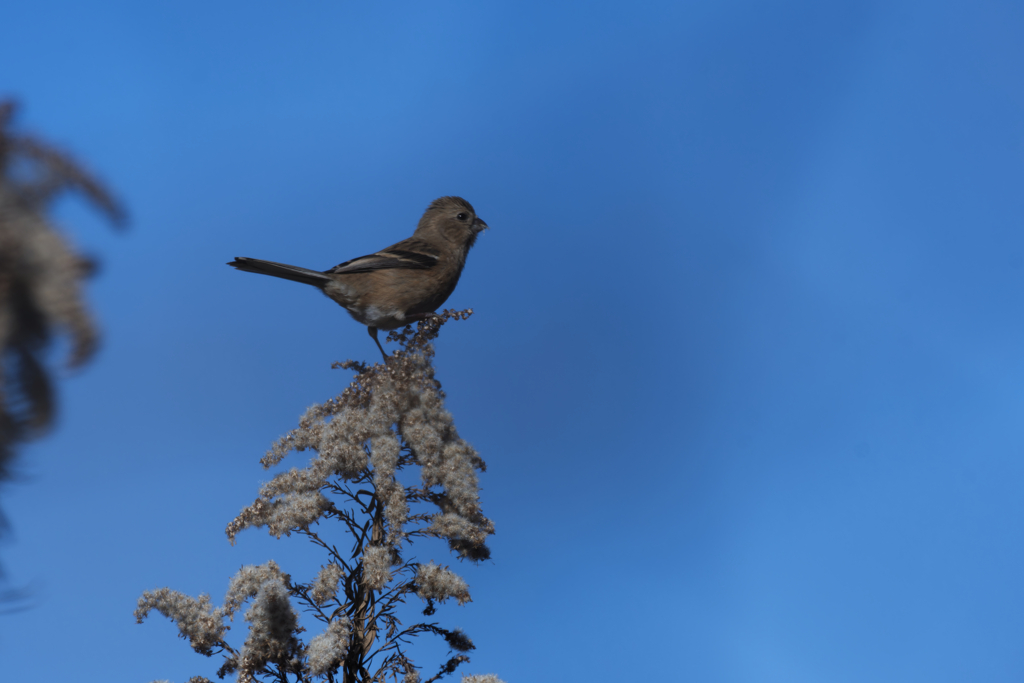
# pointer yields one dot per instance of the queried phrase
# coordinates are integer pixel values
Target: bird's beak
(479, 225)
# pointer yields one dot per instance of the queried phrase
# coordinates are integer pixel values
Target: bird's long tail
(282, 270)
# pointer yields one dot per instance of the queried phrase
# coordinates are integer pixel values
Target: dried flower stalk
(40, 279)
(390, 418)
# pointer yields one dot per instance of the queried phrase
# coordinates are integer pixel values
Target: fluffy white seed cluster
(481, 678)
(272, 627)
(447, 462)
(434, 582)
(327, 650)
(363, 430)
(196, 619)
(325, 586)
(290, 501)
(247, 582)
(377, 560)
(384, 451)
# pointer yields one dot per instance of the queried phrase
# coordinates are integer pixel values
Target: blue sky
(746, 361)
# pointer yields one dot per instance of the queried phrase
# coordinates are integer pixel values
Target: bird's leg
(373, 333)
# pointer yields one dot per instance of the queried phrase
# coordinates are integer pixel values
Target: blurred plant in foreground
(40, 280)
(390, 418)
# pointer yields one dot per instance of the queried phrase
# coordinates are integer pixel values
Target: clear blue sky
(748, 358)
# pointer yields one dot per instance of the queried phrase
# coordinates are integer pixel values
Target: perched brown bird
(399, 285)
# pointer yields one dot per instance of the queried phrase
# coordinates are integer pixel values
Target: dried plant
(351, 502)
(40, 279)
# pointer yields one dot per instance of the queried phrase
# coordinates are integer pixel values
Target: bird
(401, 284)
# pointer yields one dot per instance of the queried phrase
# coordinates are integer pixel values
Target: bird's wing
(411, 253)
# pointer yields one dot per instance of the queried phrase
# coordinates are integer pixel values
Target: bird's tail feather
(281, 270)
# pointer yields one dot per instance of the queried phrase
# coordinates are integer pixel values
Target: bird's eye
(462, 216)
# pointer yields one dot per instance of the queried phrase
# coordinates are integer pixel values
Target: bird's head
(453, 219)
